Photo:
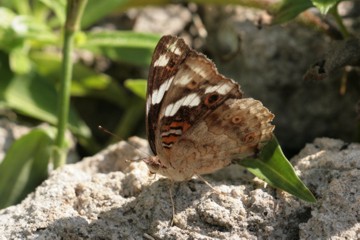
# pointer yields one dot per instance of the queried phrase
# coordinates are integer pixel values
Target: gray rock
(113, 196)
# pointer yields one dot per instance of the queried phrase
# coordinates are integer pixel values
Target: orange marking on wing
(170, 139)
(184, 125)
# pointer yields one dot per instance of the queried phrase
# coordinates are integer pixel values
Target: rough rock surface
(112, 196)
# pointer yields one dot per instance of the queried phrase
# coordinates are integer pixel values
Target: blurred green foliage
(31, 38)
(289, 9)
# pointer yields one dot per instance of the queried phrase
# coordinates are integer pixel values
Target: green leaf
(21, 6)
(125, 46)
(137, 86)
(289, 9)
(19, 60)
(7, 17)
(58, 6)
(274, 168)
(130, 120)
(33, 96)
(86, 82)
(8, 37)
(30, 29)
(138, 57)
(325, 5)
(126, 39)
(96, 10)
(25, 166)
(86, 85)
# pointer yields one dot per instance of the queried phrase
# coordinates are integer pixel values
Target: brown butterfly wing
(197, 121)
(197, 89)
(168, 56)
(237, 129)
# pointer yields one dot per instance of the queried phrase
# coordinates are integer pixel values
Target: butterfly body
(197, 121)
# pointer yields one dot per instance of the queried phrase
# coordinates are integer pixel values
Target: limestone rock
(113, 196)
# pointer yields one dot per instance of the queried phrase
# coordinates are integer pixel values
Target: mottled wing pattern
(235, 130)
(167, 58)
(197, 89)
(197, 120)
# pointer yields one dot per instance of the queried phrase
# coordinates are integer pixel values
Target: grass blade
(25, 166)
(273, 167)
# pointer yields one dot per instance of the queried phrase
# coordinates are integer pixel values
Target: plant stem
(334, 11)
(74, 12)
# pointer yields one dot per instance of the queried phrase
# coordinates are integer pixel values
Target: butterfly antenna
(108, 132)
(129, 143)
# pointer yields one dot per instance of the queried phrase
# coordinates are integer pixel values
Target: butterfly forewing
(167, 58)
(197, 89)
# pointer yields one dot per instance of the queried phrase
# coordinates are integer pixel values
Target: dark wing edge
(173, 51)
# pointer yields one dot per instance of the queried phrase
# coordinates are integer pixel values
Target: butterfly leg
(209, 185)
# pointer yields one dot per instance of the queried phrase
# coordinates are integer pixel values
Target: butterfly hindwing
(237, 129)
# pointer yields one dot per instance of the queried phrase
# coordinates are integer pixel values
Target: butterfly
(197, 120)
